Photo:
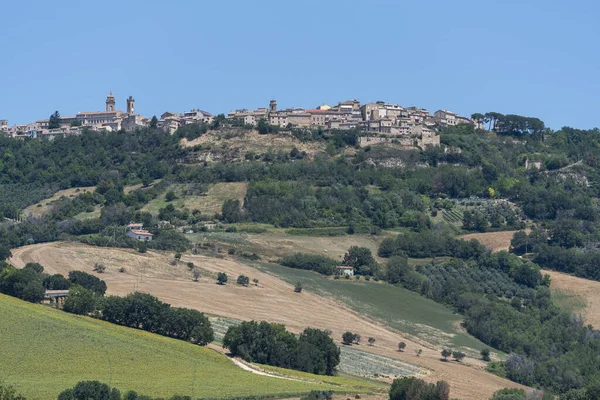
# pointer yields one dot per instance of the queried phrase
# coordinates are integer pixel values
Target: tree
(255, 281)
(35, 267)
(411, 388)
(509, 394)
(196, 273)
(458, 356)
(485, 354)
(88, 281)
(170, 196)
(356, 338)
(361, 259)
(154, 122)
(371, 341)
(87, 390)
(232, 211)
(80, 301)
(298, 287)
(142, 247)
(419, 352)
(243, 280)
(401, 346)
(221, 278)
(348, 338)
(178, 256)
(99, 267)
(446, 353)
(54, 120)
(263, 126)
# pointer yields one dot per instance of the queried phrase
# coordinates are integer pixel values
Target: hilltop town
(382, 122)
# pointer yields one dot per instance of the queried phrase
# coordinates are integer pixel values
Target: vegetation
(474, 182)
(314, 351)
(130, 359)
(417, 389)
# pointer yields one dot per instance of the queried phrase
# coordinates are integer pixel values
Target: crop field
(453, 216)
(576, 294)
(371, 309)
(45, 351)
(275, 243)
(208, 203)
(43, 206)
(397, 307)
(496, 241)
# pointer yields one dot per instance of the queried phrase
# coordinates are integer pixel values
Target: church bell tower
(130, 105)
(110, 102)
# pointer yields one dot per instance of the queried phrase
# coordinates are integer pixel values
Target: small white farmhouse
(137, 232)
(344, 270)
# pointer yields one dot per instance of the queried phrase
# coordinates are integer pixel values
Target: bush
(348, 338)
(99, 268)
(9, 393)
(298, 287)
(221, 278)
(401, 346)
(485, 354)
(243, 280)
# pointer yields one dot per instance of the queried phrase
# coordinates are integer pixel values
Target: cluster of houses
(110, 119)
(382, 122)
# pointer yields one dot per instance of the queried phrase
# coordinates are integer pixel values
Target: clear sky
(536, 58)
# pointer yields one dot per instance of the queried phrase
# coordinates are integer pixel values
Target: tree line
(313, 351)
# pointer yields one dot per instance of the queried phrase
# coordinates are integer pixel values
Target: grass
(341, 380)
(397, 307)
(43, 206)
(569, 301)
(44, 351)
(210, 203)
(89, 215)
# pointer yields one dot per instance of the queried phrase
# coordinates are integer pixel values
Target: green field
(209, 203)
(397, 307)
(44, 351)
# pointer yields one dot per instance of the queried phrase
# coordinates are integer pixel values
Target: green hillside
(44, 351)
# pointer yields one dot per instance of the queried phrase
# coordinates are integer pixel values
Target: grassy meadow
(44, 351)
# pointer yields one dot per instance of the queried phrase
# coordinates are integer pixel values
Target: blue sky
(529, 57)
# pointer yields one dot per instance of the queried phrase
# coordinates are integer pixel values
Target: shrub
(221, 278)
(99, 267)
(196, 274)
(298, 287)
(485, 354)
(347, 338)
(243, 280)
(401, 346)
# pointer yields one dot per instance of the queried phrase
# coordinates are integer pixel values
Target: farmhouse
(137, 232)
(345, 270)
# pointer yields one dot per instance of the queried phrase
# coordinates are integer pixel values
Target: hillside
(45, 351)
(326, 304)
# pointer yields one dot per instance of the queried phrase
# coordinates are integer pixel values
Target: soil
(272, 300)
